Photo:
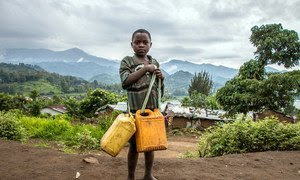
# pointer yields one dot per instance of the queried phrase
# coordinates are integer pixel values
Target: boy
(135, 73)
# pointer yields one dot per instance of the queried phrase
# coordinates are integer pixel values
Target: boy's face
(141, 44)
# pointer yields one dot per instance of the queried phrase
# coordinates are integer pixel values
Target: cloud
(197, 30)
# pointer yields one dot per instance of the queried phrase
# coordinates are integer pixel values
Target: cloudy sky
(200, 31)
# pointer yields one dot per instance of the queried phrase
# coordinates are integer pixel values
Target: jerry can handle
(146, 111)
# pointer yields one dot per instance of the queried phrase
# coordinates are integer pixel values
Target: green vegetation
(42, 86)
(90, 103)
(255, 90)
(200, 93)
(24, 78)
(11, 128)
(243, 136)
(201, 83)
(79, 137)
(42, 145)
(275, 45)
(177, 84)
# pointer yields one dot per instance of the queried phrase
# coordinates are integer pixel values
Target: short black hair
(141, 31)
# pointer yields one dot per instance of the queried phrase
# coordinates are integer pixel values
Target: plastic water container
(150, 131)
(118, 134)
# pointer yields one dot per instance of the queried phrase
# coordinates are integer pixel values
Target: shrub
(10, 127)
(86, 140)
(249, 136)
(106, 121)
(81, 133)
(45, 128)
(79, 136)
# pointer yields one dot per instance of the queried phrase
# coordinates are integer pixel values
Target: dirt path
(25, 161)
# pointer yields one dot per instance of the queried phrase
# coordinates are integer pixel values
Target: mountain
(29, 56)
(23, 78)
(73, 62)
(178, 83)
(177, 65)
(85, 70)
(106, 78)
(76, 62)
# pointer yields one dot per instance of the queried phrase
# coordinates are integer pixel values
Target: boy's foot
(150, 177)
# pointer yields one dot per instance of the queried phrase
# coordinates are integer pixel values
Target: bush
(82, 136)
(249, 136)
(45, 128)
(86, 140)
(79, 136)
(106, 121)
(10, 127)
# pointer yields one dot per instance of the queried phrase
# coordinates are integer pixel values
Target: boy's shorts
(132, 141)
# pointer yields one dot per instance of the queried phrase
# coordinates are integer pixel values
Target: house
(54, 110)
(281, 117)
(105, 110)
(189, 117)
(108, 108)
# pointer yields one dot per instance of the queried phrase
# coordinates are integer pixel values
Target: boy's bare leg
(132, 159)
(149, 158)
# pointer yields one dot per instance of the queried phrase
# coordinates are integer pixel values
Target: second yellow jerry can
(150, 131)
(118, 134)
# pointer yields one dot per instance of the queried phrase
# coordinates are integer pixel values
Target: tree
(73, 107)
(186, 101)
(251, 70)
(201, 83)
(277, 92)
(240, 96)
(96, 99)
(275, 45)
(34, 94)
(253, 89)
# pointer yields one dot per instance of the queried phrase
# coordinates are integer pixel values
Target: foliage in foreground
(10, 127)
(244, 136)
(71, 136)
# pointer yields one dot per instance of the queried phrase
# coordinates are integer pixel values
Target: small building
(268, 113)
(105, 110)
(54, 110)
(109, 108)
(188, 117)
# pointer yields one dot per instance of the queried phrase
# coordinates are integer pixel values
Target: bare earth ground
(26, 161)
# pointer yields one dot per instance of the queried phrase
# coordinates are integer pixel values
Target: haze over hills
(176, 65)
(76, 62)
(17, 55)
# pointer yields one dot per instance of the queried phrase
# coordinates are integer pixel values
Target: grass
(42, 145)
(42, 86)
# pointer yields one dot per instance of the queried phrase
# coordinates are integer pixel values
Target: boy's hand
(159, 74)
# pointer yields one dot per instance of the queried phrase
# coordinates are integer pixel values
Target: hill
(177, 65)
(24, 78)
(76, 62)
(106, 78)
(73, 62)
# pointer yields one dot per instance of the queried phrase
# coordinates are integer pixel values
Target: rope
(148, 93)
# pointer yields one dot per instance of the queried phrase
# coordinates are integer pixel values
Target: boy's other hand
(150, 68)
(159, 74)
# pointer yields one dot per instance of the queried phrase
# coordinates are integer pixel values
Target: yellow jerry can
(118, 134)
(150, 131)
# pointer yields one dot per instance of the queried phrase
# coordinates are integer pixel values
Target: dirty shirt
(137, 91)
